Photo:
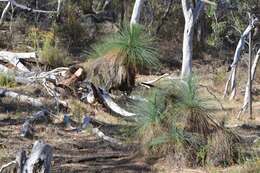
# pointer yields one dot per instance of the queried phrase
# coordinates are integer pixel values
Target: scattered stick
(149, 84)
(211, 93)
(101, 135)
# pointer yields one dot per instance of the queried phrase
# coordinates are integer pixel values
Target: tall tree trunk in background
(136, 12)
(191, 15)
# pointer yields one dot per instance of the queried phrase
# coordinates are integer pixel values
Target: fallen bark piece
(104, 98)
(100, 134)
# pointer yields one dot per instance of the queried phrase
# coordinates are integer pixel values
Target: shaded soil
(74, 152)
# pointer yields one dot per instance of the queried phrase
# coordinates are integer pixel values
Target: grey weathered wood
(246, 97)
(104, 98)
(41, 153)
(38, 161)
(240, 46)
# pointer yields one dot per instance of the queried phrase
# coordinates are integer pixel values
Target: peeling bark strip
(246, 98)
(191, 16)
(38, 161)
(240, 46)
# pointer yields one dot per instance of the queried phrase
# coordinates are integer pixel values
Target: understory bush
(52, 56)
(175, 121)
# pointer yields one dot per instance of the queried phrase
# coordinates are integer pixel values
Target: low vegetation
(120, 57)
(6, 80)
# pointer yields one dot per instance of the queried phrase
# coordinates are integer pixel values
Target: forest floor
(76, 152)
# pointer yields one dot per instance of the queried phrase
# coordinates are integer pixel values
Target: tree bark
(240, 46)
(136, 12)
(246, 98)
(191, 15)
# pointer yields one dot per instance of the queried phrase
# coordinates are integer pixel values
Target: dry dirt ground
(76, 152)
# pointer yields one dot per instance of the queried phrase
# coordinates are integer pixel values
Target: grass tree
(191, 14)
(120, 56)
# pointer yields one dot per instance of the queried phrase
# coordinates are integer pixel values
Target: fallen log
(35, 102)
(38, 161)
(104, 98)
(14, 59)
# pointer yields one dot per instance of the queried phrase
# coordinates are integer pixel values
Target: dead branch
(104, 98)
(149, 84)
(240, 46)
(7, 165)
(211, 93)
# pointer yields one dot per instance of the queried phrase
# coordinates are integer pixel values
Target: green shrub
(6, 80)
(51, 55)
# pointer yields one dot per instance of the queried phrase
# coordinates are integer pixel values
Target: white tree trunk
(191, 15)
(187, 47)
(136, 12)
(240, 47)
(246, 98)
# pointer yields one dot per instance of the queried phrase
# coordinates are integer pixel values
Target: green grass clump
(7, 80)
(51, 55)
(133, 45)
(175, 121)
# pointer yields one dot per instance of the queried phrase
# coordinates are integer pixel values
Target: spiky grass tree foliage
(176, 121)
(120, 56)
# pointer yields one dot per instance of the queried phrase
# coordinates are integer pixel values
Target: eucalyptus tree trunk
(240, 46)
(136, 12)
(247, 92)
(191, 15)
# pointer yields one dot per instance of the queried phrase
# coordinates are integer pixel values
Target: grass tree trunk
(136, 12)
(191, 15)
